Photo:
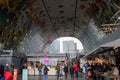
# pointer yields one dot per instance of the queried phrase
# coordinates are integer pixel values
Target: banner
(25, 74)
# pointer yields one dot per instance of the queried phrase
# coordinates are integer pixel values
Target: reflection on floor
(81, 77)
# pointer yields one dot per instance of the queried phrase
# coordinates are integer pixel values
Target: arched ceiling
(39, 22)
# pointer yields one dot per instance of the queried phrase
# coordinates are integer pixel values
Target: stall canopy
(112, 43)
(104, 47)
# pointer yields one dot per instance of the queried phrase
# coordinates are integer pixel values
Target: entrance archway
(65, 45)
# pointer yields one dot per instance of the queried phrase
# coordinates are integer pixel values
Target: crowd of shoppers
(72, 69)
(91, 69)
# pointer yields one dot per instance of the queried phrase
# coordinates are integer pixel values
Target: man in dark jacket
(72, 72)
(1, 72)
(66, 71)
(58, 71)
(45, 71)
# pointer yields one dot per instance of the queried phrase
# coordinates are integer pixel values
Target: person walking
(58, 71)
(86, 70)
(2, 72)
(12, 68)
(40, 70)
(61, 71)
(115, 71)
(72, 72)
(45, 72)
(66, 71)
(76, 68)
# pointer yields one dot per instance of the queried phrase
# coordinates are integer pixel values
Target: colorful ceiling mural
(53, 18)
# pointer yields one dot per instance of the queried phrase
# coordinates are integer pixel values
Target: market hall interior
(28, 28)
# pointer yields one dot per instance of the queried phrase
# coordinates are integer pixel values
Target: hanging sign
(46, 59)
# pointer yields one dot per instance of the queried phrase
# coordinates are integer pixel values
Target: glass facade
(91, 37)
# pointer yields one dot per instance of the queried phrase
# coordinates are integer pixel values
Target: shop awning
(112, 43)
(93, 51)
(104, 46)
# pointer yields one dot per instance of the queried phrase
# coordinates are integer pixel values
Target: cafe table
(111, 76)
(98, 75)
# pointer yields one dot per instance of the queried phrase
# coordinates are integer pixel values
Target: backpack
(65, 69)
(45, 70)
(72, 69)
(58, 69)
(89, 74)
(39, 67)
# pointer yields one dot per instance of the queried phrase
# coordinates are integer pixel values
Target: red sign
(46, 59)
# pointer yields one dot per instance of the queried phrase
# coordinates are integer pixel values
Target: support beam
(45, 7)
(74, 24)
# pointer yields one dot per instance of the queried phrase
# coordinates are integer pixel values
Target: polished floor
(81, 77)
